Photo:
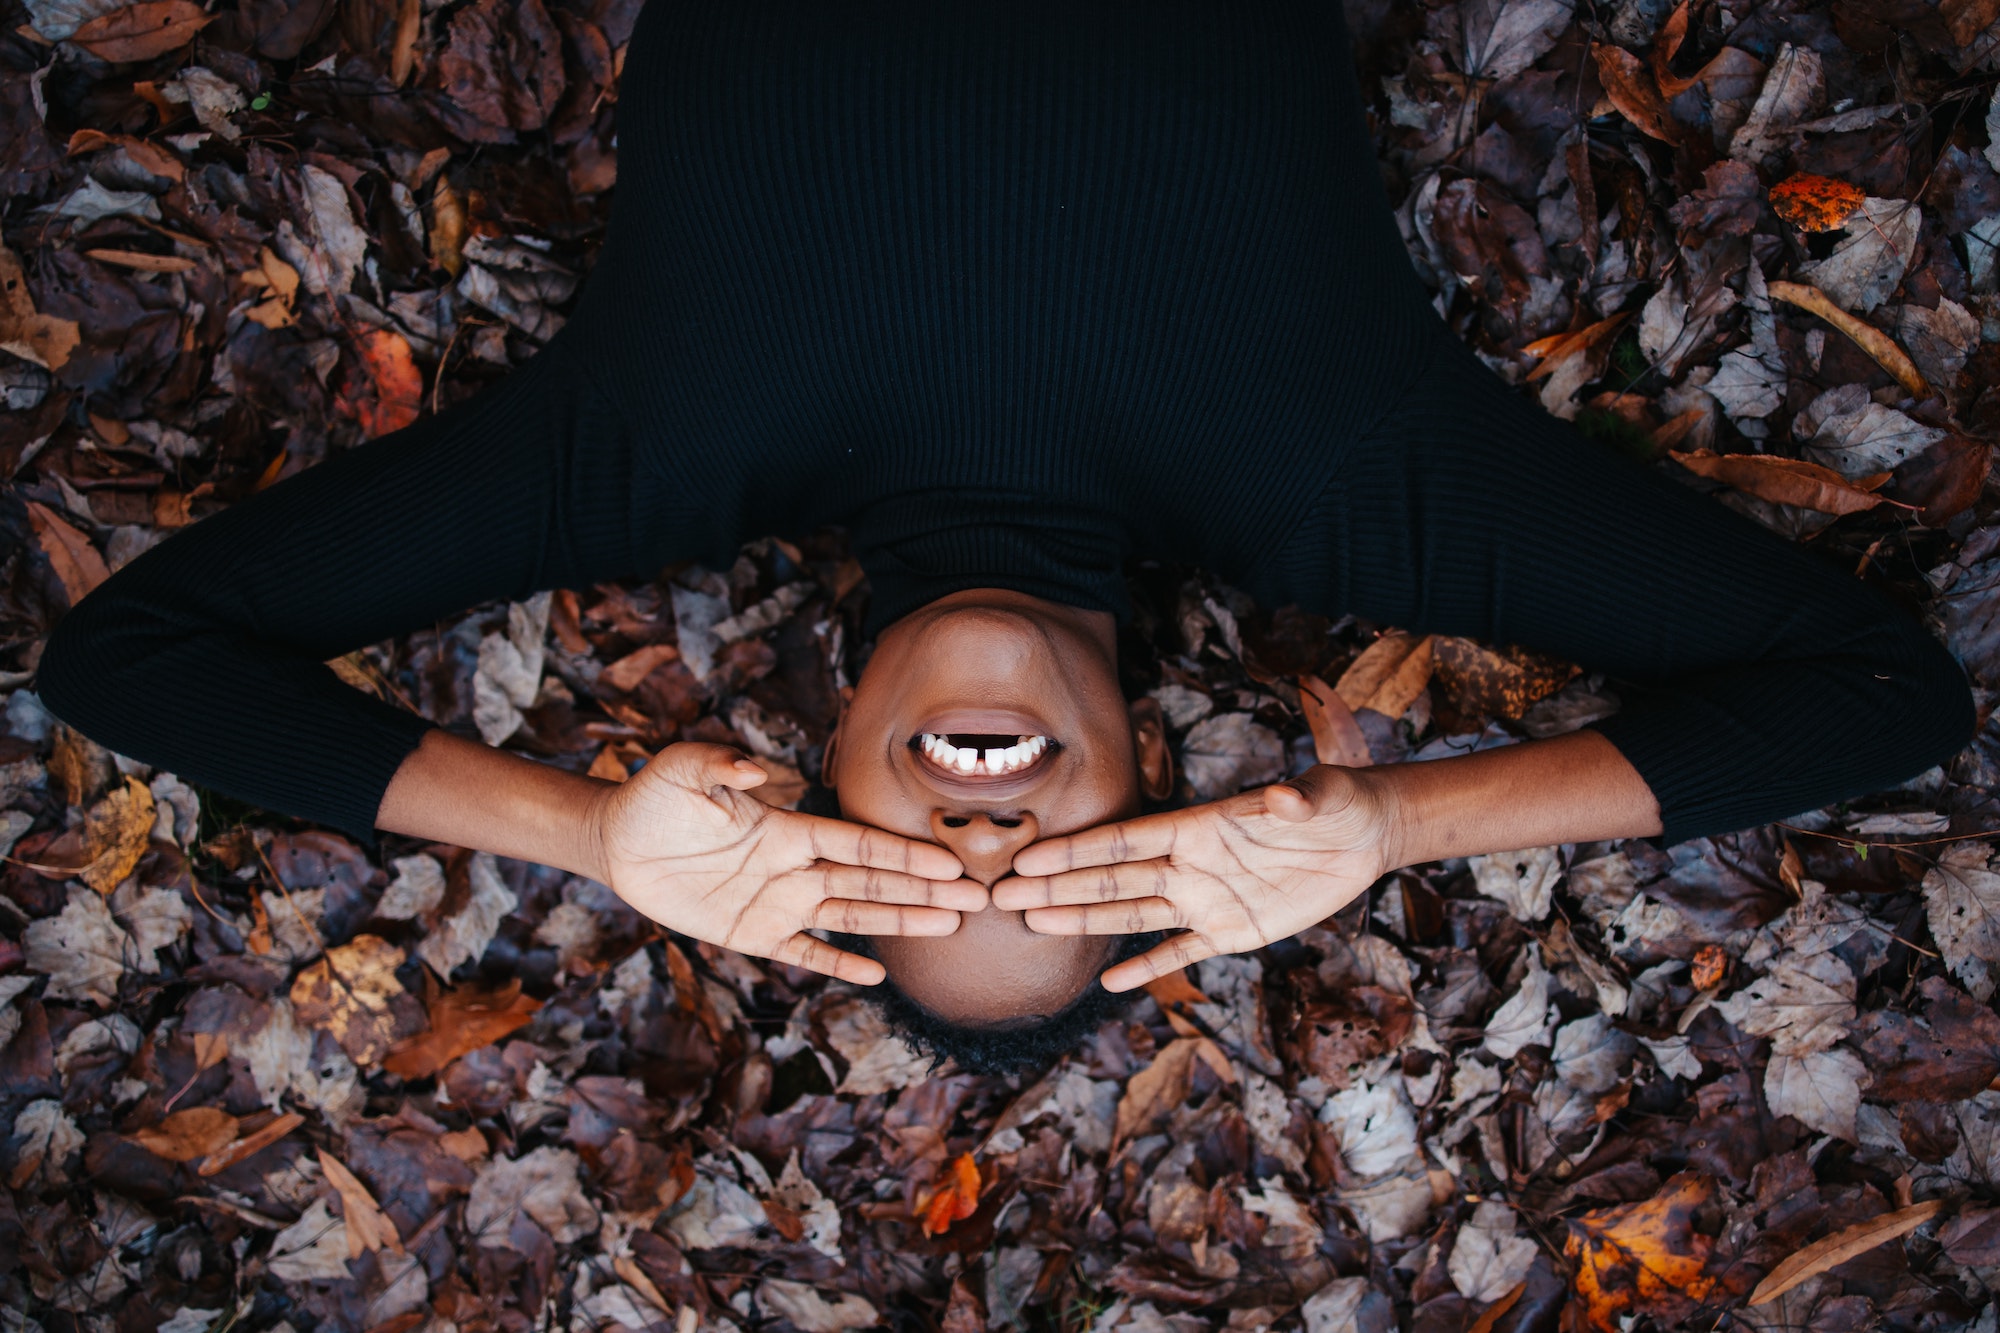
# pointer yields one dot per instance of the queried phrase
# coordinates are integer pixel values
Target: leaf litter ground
(251, 1077)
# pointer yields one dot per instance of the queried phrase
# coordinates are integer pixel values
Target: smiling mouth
(977, 755)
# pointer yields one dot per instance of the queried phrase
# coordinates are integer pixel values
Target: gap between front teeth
(988, 763)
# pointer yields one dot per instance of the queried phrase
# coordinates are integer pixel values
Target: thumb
(1299, 799)
(698, 766)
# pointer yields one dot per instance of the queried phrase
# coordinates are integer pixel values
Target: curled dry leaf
(461, 1020)
(1788, 481)
(1866, 336)
(954, 1198)
(1388, 675)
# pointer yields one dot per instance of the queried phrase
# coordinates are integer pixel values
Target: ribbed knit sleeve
(205, 655)
(1759, 680)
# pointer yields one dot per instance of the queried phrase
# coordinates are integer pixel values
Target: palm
(685, 844)
(1234, 874)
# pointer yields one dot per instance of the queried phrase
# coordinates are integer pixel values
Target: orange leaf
(635, 666)
(1786, 481)
(462, 1020)
(250, 1144)
(1560, 347)
(1641, 1258)
(142, 31)
(1631, 89)
(388, 389)
(956, 1199)
(1389, 675)
(76, 562)
(368, 1227)
(1815, 203)
(1711, 964)
(186, 1135)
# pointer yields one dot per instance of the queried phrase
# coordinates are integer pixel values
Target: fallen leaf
(1489, 1258)
(1388, 675)
(954, 1198)
(1525, 880)
(1815, 203)
(195, 1131)
(1842, 1245)
(626, 673)
(1866, 336)
(388, 389)
(81, 950)
(1787, 481)
(1228, 753)
(312, 1249)
(1869, 263)
(1962, 897)
(243, 1149)
(75, 561)
(461, 1020)
(44, 1137)
(1629, 85)
(1504, 37)
(351, 992)
(1792, 89)
(1337, 737)
(1642, 1258)
(543, 1185)
(809, 1312)
(142, 31)
(115, 835)
(367, 1227)
(1484, 682)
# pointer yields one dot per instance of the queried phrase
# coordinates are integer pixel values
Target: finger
(863, 845)
(1288, 803)
(699, 765)
(893, 886)
(1135, 917)
(1133, 840)
(1098, 884)
(859, 918)
(1318, 788)
(816, 955)
(1163, 959)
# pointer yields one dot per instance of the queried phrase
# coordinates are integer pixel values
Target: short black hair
(1000, 1048)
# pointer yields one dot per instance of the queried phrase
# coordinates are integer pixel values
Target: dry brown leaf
(1842, 1245)
(243, 1149)
(1337, 737)
(187, 1134)
(447, 232)
(76, 563)
(142, 31)
(626, 673)
(387, 390)
(141, 261)
(1788, 481)
(42, 339)
(1968, 18)
(368, 1227)
(1388, 676)
(115, 835)
(1629, 85)
(1866, 336)
(351, 992)
(1641, 1258)
(461, 1020)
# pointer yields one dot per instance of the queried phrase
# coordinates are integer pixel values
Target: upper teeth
(989, 763)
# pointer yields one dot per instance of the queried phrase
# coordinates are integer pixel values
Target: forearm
(458, 791)
(1574, 788)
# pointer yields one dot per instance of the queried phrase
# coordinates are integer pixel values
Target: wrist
(1389, 816)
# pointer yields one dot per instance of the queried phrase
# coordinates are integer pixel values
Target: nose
(985, 844)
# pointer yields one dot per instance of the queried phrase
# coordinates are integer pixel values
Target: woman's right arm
(206, 655)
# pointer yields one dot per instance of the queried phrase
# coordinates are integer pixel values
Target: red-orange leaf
(387, 389)
(1815, 203)
(956, 1199)
(461, 1020)
(1629, 85)
(142, 31)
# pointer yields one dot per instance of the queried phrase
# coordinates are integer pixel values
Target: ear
(826, 762)
(1149, 742)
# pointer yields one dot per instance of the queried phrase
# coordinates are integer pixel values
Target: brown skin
(1035, 668)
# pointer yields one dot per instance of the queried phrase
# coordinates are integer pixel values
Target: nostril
(958, 821)
(1005, 823)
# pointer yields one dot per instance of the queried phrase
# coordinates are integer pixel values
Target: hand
(1233, 874)
(683, 842)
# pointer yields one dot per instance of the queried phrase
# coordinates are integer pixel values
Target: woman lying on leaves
(1016, 293)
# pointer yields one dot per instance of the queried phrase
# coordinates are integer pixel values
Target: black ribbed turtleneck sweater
(1016, 292)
